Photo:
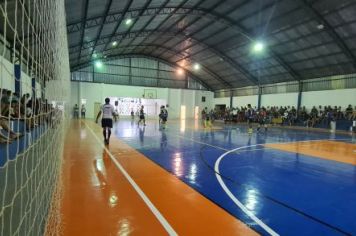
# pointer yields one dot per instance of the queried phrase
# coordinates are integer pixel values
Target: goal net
(34, 91)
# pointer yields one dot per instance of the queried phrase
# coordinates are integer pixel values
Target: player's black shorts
(142, 117)
(106, 123)
(250, 120)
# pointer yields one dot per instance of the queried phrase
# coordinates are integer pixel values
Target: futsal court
(177, 117)
(208, 181)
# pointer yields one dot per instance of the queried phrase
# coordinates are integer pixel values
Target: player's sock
(109, 134)
(104, 134)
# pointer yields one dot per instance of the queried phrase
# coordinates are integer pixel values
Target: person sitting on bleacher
(353, 115)
(4, 116)
(348, 112)
(29, 113)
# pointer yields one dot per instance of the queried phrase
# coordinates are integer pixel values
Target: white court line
(233, 198)
(206, 144)
(231, 195)
(150, 205)
(262, 144)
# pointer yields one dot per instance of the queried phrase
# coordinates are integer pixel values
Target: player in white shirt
(106, 121)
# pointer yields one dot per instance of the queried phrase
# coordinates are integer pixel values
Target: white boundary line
(233, 198)
(231, 195)
(150, 205)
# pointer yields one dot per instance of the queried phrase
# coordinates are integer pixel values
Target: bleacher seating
(21, 144)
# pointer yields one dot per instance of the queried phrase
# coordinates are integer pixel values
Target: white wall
(26, 84)
(244, 100)
(209, 98)
(188, 100)
(6, 74)
(342, 97)
(174, 99)
(222, 101)
(279, 99)
(7, 79)
(95, 92)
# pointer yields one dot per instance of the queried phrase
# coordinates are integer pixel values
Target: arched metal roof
(304, 39)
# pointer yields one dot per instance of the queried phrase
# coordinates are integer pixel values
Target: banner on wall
(124, 105)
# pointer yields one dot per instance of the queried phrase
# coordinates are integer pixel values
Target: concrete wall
(341, 97)
(7, 79)
(175, 98)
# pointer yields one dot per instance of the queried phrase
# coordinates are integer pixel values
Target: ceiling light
(196, 66)
(180, 71)
(320, 26)
(128, 21)
(98, 64)
(258, 47)
(114, 44)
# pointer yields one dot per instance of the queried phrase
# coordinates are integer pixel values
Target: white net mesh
(34, 83)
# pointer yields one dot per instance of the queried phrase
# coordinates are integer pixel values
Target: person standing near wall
(82, 111)
(262, 119)
(142, 116)
(163, 116)
(106, 121)
(204, 114)
(76, 111)
(249, 116)
(132, 114)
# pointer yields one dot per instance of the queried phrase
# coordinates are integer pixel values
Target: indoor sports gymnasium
(177, 117)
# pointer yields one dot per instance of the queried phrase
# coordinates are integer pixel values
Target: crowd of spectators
(289, 115)
(29, 110)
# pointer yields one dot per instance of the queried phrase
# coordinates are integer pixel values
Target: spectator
(314, 112)
(76, 111)
(353, 116)
(82, 111)
(5, 114)
(348, 112)
(204, 113)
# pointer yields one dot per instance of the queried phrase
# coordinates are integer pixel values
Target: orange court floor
(191, 180)
(99, 200)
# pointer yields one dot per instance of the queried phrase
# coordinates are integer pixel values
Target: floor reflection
(102, 167)
(177, 164)
(164, 141)
(142, 135)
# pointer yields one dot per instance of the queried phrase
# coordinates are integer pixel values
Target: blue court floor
(271, 190)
